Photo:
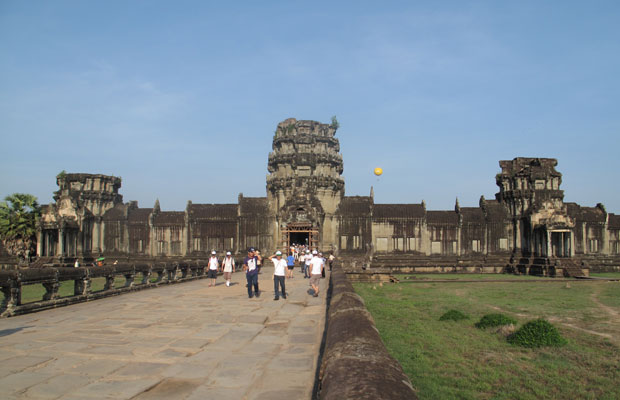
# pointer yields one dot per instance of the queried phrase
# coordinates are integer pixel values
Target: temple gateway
(527, 227)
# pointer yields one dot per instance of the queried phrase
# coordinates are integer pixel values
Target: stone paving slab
(184, 341)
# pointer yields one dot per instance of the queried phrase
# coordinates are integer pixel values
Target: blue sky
(181, 98)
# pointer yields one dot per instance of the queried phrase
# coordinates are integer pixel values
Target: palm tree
(19, 214)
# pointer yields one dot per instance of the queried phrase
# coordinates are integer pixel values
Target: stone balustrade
(355, 363)
(150, 275)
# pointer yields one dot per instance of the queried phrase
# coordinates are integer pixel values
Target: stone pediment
(552, 218)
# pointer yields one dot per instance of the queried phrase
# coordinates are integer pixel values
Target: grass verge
(456, 360)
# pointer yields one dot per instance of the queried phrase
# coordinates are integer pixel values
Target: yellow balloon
(378, 171)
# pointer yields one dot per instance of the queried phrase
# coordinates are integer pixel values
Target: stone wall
(355, 362)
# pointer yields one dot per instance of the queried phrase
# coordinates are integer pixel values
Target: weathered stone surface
(164, 344)
(355, 362)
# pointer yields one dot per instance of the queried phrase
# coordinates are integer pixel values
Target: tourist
(322, 269)
(229, 267)
(316, 265)
(260, 260)
(214, 266)
(290, 264)
(279, 270)
(306, 264)
(331, 261)
(251, 272)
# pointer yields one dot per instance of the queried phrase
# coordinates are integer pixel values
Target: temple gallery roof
(398, 211)
(213, 211)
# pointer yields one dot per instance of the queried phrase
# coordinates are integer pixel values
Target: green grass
(537, 333)
(494, 320)
(453, 315)
(614, 275)
(456, 360)
(465, 277)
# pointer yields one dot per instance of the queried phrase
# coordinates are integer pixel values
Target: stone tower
(530, 189)
(304, 185)
(73, 225)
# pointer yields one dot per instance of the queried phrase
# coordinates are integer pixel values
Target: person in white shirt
(307, 259)
(214, 266)
(228, 263)
(316, 268)
(279, 273)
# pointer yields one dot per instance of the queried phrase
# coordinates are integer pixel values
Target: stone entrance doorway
(561, 243)
(300, 233)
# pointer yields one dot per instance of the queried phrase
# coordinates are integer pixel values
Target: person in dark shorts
(290, 265)
(214, 266)
(279, 274)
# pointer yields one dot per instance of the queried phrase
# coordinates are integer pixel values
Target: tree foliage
(19, 214)
(335, 123)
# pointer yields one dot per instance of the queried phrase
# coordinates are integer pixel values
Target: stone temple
(526, 228)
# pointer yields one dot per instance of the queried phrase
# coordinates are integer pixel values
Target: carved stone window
(593, 246)
(475, 246)
(356, 242)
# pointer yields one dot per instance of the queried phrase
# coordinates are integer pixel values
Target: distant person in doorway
(228, 264)
(250, 267)
(279, 271)
(214, 266)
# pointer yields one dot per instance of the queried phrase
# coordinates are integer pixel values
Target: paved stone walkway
(183, 341)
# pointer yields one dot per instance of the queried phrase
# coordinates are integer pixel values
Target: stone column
(61, 242)
(517, 235)
(39, 242)
(95, 245)
(605, 236)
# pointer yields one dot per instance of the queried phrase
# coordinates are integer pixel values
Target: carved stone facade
(527, 227)
(304, 185)
(73, 225)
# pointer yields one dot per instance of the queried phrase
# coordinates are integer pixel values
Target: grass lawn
(614, 275)
(450, 359)
(465, 277)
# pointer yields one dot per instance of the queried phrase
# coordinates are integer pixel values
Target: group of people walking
(312, 266)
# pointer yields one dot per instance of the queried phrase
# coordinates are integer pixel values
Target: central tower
(304, 185)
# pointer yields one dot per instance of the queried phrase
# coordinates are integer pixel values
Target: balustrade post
(146, 276)
(12, 296)
(81, 286)
(109, 282)
(184, 271)
(129, 279)
(51, 288)
(171, 273)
